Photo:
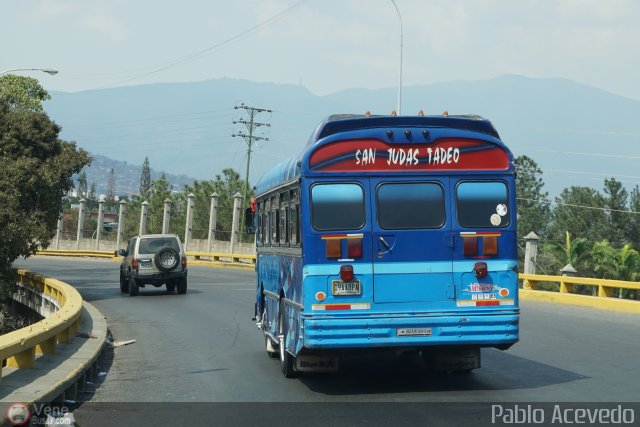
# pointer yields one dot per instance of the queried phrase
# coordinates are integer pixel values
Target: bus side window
(258, 224)
(275, 220)
(294, 217)
(266, 223)
(284, 203)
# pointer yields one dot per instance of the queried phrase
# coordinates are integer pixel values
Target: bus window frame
(455, 201)
(444, 204)
(364, 205)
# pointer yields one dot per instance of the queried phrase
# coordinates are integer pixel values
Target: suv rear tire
(182, 286)
(134, 289)
(124, 285)
(171, 286)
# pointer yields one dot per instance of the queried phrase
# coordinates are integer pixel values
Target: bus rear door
(412, 243)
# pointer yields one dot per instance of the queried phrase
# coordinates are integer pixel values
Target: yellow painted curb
(610, 304)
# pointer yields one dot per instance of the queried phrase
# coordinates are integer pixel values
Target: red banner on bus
(374, 155)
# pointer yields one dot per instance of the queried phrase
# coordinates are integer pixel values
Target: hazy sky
(325, 45)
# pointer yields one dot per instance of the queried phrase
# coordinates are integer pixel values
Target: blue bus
(389, 232)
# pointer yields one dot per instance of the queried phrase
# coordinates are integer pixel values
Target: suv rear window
(151, 245)
(482, 204)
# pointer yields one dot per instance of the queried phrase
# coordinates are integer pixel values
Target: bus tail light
(469, 245)
(480, 269)
(354, 248)
(346, 272)
(134, 264)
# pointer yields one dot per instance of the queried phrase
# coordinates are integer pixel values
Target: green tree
(160, 191)
(580, 211)
(20, 93)
(36, 170)
(111, 186)
(618, 220)
(534, 208)
(575, 252)
(83, 186)
(145, 179)
(633, 229)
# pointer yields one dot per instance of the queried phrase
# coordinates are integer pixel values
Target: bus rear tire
(287, 361)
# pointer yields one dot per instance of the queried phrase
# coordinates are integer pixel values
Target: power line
(196, 55)
(573, 205)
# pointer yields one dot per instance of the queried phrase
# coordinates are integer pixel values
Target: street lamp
(400, 73)
(49, 71)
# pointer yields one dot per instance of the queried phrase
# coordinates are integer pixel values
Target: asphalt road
(203, 347)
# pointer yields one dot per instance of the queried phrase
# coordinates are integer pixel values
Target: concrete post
(166, 217)
(213, 220)
(237, 203)
(59, 230)
(120, 238)
(568, 271)
(530, 253)
(100, 222)
(80, 233)
(189, 225)
(143, 217)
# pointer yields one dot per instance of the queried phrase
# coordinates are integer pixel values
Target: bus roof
(471, 126)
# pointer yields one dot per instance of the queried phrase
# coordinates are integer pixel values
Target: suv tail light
(184, 262)
(134, 264)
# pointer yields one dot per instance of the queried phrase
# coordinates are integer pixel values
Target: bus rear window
(410, 205)
(482, 204)
(337, 207)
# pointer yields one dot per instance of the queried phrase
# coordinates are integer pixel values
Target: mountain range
(578, 135)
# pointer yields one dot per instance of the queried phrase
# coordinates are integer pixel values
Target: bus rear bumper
(483, 330)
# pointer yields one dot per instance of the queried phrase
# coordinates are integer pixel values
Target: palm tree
(575, 252)
(621, 264)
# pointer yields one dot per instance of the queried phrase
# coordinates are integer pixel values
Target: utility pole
(250, 126)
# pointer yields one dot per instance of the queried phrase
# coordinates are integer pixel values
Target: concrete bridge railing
(54, 359)
(567, 288)
(61, 305)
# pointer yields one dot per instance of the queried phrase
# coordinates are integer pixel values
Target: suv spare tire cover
(166, 259)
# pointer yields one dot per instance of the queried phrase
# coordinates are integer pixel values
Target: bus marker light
(490, 245)
(321, 296)
(346, 272)
(480, 269)
(333, 248)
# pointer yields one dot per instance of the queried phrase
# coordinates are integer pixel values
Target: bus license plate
(413, 332)
(346, 288)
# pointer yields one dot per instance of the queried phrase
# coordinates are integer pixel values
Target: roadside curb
(608, 304)
(60, 376)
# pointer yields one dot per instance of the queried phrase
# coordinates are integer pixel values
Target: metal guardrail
(20, 348)
(567, 287)
(222, 257)
(82, 253)
(205, 257)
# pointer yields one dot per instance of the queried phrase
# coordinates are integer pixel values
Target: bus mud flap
(453, 359)
(317, 363)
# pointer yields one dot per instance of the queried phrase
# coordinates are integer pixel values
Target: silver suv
(153, 259)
